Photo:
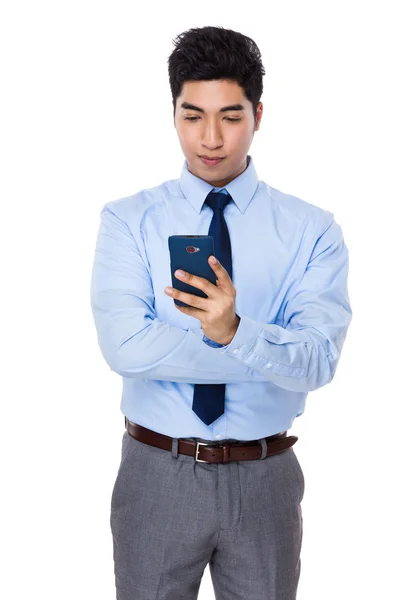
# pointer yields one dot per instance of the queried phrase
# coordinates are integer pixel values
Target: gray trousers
(171, 516)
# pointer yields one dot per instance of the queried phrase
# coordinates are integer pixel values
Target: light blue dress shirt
(290, 271)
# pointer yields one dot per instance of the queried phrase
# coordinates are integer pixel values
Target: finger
(199, 282)
(191, 299)
(220, 272)
(192, 312)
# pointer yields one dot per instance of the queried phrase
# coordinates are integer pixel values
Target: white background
(86, 117)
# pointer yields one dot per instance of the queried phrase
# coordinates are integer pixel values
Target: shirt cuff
(211, 343)
(244, 338)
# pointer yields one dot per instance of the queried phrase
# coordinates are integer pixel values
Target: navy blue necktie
(208, 400)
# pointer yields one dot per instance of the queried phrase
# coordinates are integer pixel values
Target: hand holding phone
(191, 253)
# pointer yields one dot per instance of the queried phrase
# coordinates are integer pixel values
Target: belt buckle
(197, 450)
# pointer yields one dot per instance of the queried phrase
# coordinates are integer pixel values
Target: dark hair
(208, 53)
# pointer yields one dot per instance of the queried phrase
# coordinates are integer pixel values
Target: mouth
(211, 162)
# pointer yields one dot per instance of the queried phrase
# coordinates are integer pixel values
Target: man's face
(212, 132)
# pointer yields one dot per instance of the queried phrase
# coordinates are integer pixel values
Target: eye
(227, 119)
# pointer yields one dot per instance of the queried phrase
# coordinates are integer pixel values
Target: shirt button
(235, 350)
(269, 365)
(218, 437)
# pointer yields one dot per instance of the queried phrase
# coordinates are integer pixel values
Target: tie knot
(218, 200)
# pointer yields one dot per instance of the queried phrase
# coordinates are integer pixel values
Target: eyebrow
(189, 106)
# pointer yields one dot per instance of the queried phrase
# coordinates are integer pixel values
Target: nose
(212, 138)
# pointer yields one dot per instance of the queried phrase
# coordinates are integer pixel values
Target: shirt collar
(242, 188)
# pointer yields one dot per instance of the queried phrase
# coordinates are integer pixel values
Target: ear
(259, 113)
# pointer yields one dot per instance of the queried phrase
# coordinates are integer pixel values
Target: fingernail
(180, 273)
(213, 260)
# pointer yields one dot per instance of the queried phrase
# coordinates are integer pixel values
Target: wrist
(233, 332)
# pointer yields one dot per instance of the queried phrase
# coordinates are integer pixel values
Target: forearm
(157, 350)
(299, 360)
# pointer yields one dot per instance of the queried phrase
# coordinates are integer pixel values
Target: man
(208, 474)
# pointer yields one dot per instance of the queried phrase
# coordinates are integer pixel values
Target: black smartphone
(191, 253)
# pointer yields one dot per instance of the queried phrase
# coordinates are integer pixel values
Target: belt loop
(226, 452)
(174, 450)
(263, 443)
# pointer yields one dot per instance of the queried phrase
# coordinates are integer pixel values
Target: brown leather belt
(212, 452)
